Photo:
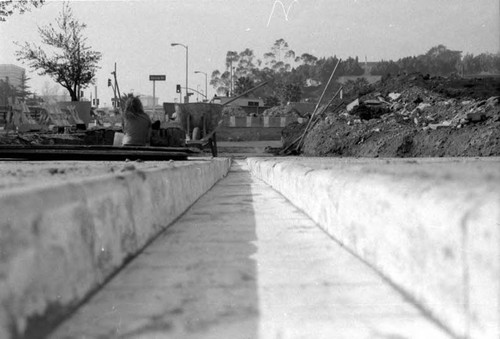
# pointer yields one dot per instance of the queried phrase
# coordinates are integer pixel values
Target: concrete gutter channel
(429, 226)
(60, 242)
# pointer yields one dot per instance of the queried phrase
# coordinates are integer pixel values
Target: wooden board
(79, 152)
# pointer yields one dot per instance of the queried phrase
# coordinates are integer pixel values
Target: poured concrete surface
(245, 263)
(62, 234)
(431, 226)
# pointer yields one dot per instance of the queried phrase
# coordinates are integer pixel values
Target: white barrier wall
(431, 227)
(58, 242)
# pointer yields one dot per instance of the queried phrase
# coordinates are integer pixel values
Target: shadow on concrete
(196, 280)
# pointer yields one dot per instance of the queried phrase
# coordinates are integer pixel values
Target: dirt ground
(409, 116)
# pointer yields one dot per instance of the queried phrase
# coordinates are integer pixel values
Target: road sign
(157, 78)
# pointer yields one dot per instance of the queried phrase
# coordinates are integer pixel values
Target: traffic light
(109, 82)
(178, 89)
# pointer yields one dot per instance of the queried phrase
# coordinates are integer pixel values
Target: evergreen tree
(23, 90)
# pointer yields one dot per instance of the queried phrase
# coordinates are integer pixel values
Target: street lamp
(206, 93)
(186, 47)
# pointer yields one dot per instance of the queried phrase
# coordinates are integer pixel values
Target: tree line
(442, 61)
(293, 76)
(286, 72)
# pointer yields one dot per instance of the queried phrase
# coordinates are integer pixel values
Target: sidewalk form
(60, 241)
(429, 226)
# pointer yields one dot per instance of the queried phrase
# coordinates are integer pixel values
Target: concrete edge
(58, 243)
(438, 242)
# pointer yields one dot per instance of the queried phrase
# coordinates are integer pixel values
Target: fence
(262, 122)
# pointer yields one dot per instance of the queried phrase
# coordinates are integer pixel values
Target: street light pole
(186, 47)
(206, 93)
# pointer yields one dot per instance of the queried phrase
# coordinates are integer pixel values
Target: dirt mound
(282, 111)
(233, 111)
(411, 116)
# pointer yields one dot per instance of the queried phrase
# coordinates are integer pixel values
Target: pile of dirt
(233, 111)
(282, 111)
(411, 116)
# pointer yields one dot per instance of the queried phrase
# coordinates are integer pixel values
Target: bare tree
(72, 63)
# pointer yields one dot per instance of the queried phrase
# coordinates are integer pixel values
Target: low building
(250, 105)
(242, 102)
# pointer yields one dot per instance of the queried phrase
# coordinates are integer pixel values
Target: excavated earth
(410, 116)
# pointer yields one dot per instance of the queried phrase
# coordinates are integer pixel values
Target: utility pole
(117, 88)
(187, 93)
(154, 97)
(231, 85)
(206, 90)
(96, 100)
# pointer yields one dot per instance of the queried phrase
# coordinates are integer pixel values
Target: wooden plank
(67, 152)
(101, 148)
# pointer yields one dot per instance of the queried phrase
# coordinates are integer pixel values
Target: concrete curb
(58, 243)
(436, 238)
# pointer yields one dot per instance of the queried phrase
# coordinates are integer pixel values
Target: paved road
(245, 263)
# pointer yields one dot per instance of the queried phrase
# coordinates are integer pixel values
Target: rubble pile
(233, 111)
(282, 111)
(413, 116)
(426, 109)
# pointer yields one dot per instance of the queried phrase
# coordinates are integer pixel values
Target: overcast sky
(137, 34)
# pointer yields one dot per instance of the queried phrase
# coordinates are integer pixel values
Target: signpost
(154, 79)
(157, 77)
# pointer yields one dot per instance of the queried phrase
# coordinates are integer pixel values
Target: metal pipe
(245, 93)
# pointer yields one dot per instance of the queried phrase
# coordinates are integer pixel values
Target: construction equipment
(194, 128)
(200, 121)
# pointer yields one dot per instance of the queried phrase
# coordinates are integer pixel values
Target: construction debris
(404, 110)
